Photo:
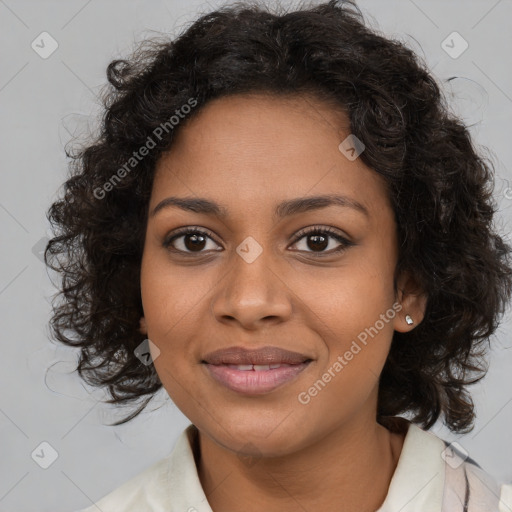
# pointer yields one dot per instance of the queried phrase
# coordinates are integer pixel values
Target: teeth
(244, 367)
(257, 367)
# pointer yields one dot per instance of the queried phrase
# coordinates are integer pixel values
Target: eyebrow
(283, 209)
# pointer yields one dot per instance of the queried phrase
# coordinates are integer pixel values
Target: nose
(252, 293)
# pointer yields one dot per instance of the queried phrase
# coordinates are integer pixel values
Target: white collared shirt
(429, 477)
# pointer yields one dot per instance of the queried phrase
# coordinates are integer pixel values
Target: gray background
(47, 101)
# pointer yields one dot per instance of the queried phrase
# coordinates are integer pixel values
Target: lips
(255, 372)
(263, 356)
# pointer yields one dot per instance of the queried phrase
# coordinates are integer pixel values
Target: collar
(421, 480)
(418, 480)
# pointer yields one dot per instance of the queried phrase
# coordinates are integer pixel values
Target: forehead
(263, 119)
(264, 149)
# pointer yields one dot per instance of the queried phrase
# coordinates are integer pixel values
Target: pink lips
(254, 381)
(222, 366)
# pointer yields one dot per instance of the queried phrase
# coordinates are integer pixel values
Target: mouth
(255, 371)
(255, 379)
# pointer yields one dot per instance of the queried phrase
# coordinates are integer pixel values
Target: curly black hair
(440, 187)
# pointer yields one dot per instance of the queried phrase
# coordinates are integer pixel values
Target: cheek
(352, 308)
(172, 298)
(357, 336)
(175, 302)
(348, 298)
(357, 327)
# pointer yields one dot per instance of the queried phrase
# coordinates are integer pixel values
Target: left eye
(318, 240)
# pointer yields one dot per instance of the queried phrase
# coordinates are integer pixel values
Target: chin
(255, 437)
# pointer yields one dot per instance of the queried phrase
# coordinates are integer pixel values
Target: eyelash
(327, 231)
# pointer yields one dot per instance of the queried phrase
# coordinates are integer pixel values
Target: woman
(283, 226)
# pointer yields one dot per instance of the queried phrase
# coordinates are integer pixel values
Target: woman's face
(260, 273)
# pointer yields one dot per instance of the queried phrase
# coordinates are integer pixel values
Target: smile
(255, 379)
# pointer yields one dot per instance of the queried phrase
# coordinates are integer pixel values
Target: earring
(409, 320)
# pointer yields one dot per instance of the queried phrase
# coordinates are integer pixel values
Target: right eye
(188, 240)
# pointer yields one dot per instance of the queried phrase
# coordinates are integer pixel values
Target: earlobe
(413, 301)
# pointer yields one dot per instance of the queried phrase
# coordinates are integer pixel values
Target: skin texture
(271, 452)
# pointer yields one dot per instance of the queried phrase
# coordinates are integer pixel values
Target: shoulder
(506, 498)
(135, 494)
(171, 482)
(472, 486)
(438, 476)
(467, 484)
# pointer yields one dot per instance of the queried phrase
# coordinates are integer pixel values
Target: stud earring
(409, 320)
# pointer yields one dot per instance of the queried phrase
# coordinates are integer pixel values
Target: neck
(352, 465)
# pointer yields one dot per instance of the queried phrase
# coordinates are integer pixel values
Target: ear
(143, 328)
(413, 301)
